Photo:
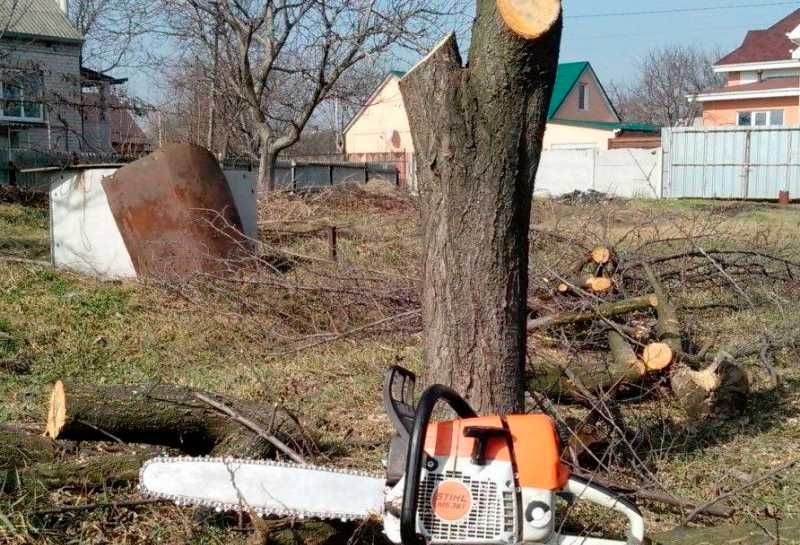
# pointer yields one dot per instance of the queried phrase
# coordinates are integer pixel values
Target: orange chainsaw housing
(535, 452)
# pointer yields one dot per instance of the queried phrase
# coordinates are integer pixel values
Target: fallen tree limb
(95, 472)
(162, 415)
(668, 327)
(758, 480)
(248, 423)
(19, 448)
(604, 310)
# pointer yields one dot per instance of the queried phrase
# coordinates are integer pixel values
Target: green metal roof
(398, 73)
(566, 77)
(37, 18)
(610, 126)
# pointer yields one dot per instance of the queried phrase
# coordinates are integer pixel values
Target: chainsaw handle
(583, 489)
(416, 454)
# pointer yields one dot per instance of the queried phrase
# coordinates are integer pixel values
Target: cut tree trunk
(95, 472)
(161, 415)
(601, 255)
(657, 356)
(720, 391)
(605, 310)
(19, 448)
(478, 135)
(598, 284)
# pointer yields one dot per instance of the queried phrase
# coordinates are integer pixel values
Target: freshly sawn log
(160, 415)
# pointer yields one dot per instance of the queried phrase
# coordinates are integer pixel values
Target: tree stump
(477, 131)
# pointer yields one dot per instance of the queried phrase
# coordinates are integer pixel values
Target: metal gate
(731, 162)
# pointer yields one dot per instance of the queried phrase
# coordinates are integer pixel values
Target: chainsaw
(470, 481)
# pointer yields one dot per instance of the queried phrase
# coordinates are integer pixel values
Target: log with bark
(478, 133)
(604, 310)
(90, 473)
(162, 415)
(19, 448)
(721, 390)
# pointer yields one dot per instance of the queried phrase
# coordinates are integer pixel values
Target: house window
(766, 118)
(21, 96)
(583, 97)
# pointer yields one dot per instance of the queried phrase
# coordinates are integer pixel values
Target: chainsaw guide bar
(264, 487)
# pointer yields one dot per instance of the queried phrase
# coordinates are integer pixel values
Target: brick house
(762, 87)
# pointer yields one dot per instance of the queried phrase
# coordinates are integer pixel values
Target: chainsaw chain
(220, 507)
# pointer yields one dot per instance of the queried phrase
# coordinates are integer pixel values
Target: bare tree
(279, 60)
(665, 77)
(113, 31)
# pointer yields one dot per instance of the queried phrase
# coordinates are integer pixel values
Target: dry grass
(248, 344)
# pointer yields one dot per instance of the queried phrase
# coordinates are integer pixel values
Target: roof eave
(756, 65)
(745, 95)
(62, 39)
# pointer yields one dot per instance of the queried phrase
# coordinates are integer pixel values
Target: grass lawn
(79, 329)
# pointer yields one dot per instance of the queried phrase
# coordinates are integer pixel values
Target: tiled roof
(39, 18)
(766, 45)
(764, 85)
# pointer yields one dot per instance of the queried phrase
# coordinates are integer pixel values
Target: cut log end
(601, 255)
(57, 412)
(563, 288)
(529, 19)
(598, 284)
(657, 356)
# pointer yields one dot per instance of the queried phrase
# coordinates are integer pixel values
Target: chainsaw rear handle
(583, 489)
(416, 454)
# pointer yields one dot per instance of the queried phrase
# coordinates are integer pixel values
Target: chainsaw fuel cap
(537, 513)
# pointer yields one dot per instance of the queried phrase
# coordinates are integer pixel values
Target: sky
(614, 44)
(614, 34)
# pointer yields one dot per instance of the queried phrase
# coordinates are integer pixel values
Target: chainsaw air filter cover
(468, 491)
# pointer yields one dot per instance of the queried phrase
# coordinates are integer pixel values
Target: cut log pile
(620, 343)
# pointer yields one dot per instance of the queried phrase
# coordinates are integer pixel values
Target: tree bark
(605, 310)
(162, 415)
(477, 133)
(19, 448)
(95, 472)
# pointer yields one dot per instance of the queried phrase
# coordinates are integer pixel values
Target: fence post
(746, 173)
(333, 252)
(292, 168)
(366, 173)
(330, 174)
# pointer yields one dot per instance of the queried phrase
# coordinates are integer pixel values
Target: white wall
(631, 173)
(83, 233)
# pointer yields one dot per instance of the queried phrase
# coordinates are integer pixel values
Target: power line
(678, 10)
